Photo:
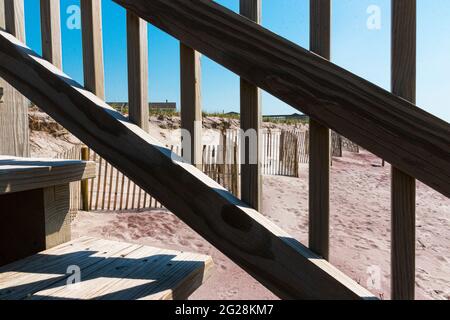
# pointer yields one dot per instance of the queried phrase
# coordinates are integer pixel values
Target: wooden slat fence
(282, 153)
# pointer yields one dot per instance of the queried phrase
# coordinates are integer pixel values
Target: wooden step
(109, 270)
(23, 174)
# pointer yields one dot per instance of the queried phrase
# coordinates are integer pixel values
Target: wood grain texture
(394, 129)
(84, 187)
(403, 188)
(15, 18)
(265, 251)
(320, 157)
(14, 131)
(92, 37)
(137, 44)
(111, 270)
(57, 215)
(20, 174)
(51, 32)
(251, 119)
(191, 103)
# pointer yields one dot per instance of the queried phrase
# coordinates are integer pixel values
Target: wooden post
(403, 189)
(191, 109)
(319, 165)
(91, 21)
(51, 32)
(14, 132)
(251, 119)
(138, 70)
(85, 183)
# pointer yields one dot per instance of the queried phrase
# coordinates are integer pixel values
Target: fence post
(84, 183)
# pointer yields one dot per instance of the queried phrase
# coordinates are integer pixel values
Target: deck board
(110, 270)
(21, 174)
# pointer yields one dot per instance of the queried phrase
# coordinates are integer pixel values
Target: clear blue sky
(355, 47)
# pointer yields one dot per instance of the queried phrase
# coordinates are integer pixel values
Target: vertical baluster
(319, 166)
(251, 118)
(403, 189)
(138, 70)
(51, 32)
(191, 109)
(91, 21)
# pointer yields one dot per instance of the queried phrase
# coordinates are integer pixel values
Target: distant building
(163, 106)
(294, 116)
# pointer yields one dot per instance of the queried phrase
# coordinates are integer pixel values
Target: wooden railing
(412, 140)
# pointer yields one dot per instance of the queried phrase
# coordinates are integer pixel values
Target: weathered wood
(105, 179)
(403, 189)
(91, 195)
(251, 119)
(85, 183)
(110, 186)
(19, 174)
(51, 32)
(14, 131)
(394, 129)
(191, 103)
(137, 70)
(15, 18)
(111, 270)
(319, 164)
(57, 215)
(92, 37)
(99, 175)
(116, 190)
(122, 186)
(261, 248)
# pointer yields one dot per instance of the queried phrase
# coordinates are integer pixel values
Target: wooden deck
(109, 270)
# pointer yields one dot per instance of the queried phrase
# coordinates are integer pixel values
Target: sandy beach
(360, 231)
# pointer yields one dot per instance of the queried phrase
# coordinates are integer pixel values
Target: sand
(360, 231)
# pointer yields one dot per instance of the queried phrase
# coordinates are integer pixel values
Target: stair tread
(109, 270)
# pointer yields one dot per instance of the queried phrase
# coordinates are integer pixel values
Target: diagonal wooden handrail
(392, 128)
(265, 251)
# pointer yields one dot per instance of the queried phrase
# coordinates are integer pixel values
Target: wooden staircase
(411, 139)
(109, 270)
